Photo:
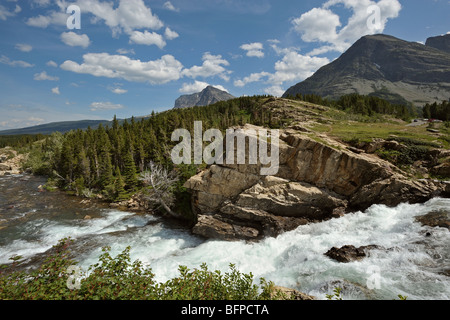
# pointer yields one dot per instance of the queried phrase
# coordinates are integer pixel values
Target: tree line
(437, 111)
(361, 104)
(107, 160)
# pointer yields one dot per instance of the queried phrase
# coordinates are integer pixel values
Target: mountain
(440, 42)
(62, 127)
(384, 66)
(208, 96)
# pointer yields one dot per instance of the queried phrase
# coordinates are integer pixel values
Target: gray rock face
(316, 181)
(440, 42)
(208, 96)
(380, 65)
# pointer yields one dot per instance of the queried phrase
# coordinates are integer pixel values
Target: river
(413, 264)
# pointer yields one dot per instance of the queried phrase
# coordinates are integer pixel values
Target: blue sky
(131, 57)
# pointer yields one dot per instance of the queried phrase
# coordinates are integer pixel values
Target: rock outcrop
(349, 253)
(10, 161)
(318, 179)
(436, 219)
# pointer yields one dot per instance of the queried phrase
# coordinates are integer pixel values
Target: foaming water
(408, 261)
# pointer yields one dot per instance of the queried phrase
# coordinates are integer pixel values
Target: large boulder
(318, 179)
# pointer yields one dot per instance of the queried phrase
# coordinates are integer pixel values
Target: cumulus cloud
(296, 67)
(213, 65)
(169, 6)
(43, 76)
(253, 49)
(147, 38)
(102, 106)
(52, 63)
(254, 77)
(158, 71)
(171, 34)
(293, 67)
(128, 16)
(56, 91)
(198, 86)
(75, 40)
(324, 26)
(24, 47)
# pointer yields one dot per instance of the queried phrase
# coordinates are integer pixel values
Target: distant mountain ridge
(63, 126)
(384, 66)
(207, 96)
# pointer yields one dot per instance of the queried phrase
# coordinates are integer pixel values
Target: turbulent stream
(412, 263)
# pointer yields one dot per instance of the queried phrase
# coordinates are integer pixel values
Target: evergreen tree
(129, 167)
(119, 187)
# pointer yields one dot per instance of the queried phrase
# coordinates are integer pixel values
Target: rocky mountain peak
(381, 65)
(207, 96)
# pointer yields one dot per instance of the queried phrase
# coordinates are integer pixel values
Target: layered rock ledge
(318, 179)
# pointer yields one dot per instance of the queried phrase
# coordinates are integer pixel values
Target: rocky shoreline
(11, 162)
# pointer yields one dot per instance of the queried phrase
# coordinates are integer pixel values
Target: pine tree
(119, 187)
(129, 167)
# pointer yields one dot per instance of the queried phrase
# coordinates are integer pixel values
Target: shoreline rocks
(318, 179)
(10, 162)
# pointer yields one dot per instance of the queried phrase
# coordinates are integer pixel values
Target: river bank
(413, 265)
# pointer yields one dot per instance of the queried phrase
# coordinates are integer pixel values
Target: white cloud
(293, 67)
(324, 26)
(5, 13)
(52, 63)
(212, 66)
(117, 90)
(296, 67)
(171, 34)
(254, 77)
(43, 76)
(21, 123)
(56, 91)
(147, 38)
(169, 6)
(128, 16)
(24, 47)
(125, 51)
(198, 86)
(253, 49)
(158, 71)
(75, 40)
(276, 91)
(55, 17)
(15, 63)
(101, 106)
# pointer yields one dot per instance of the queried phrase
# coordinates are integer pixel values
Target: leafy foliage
(120, 279)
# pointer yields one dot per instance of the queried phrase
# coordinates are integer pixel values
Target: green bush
(120, 279)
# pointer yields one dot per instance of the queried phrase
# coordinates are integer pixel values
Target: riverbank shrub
(118, 278)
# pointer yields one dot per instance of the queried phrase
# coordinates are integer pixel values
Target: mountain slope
(62, 127)
(384, 66)
(440, 42)
(208, 96)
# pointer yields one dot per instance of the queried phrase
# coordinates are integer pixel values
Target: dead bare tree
(159, 181)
